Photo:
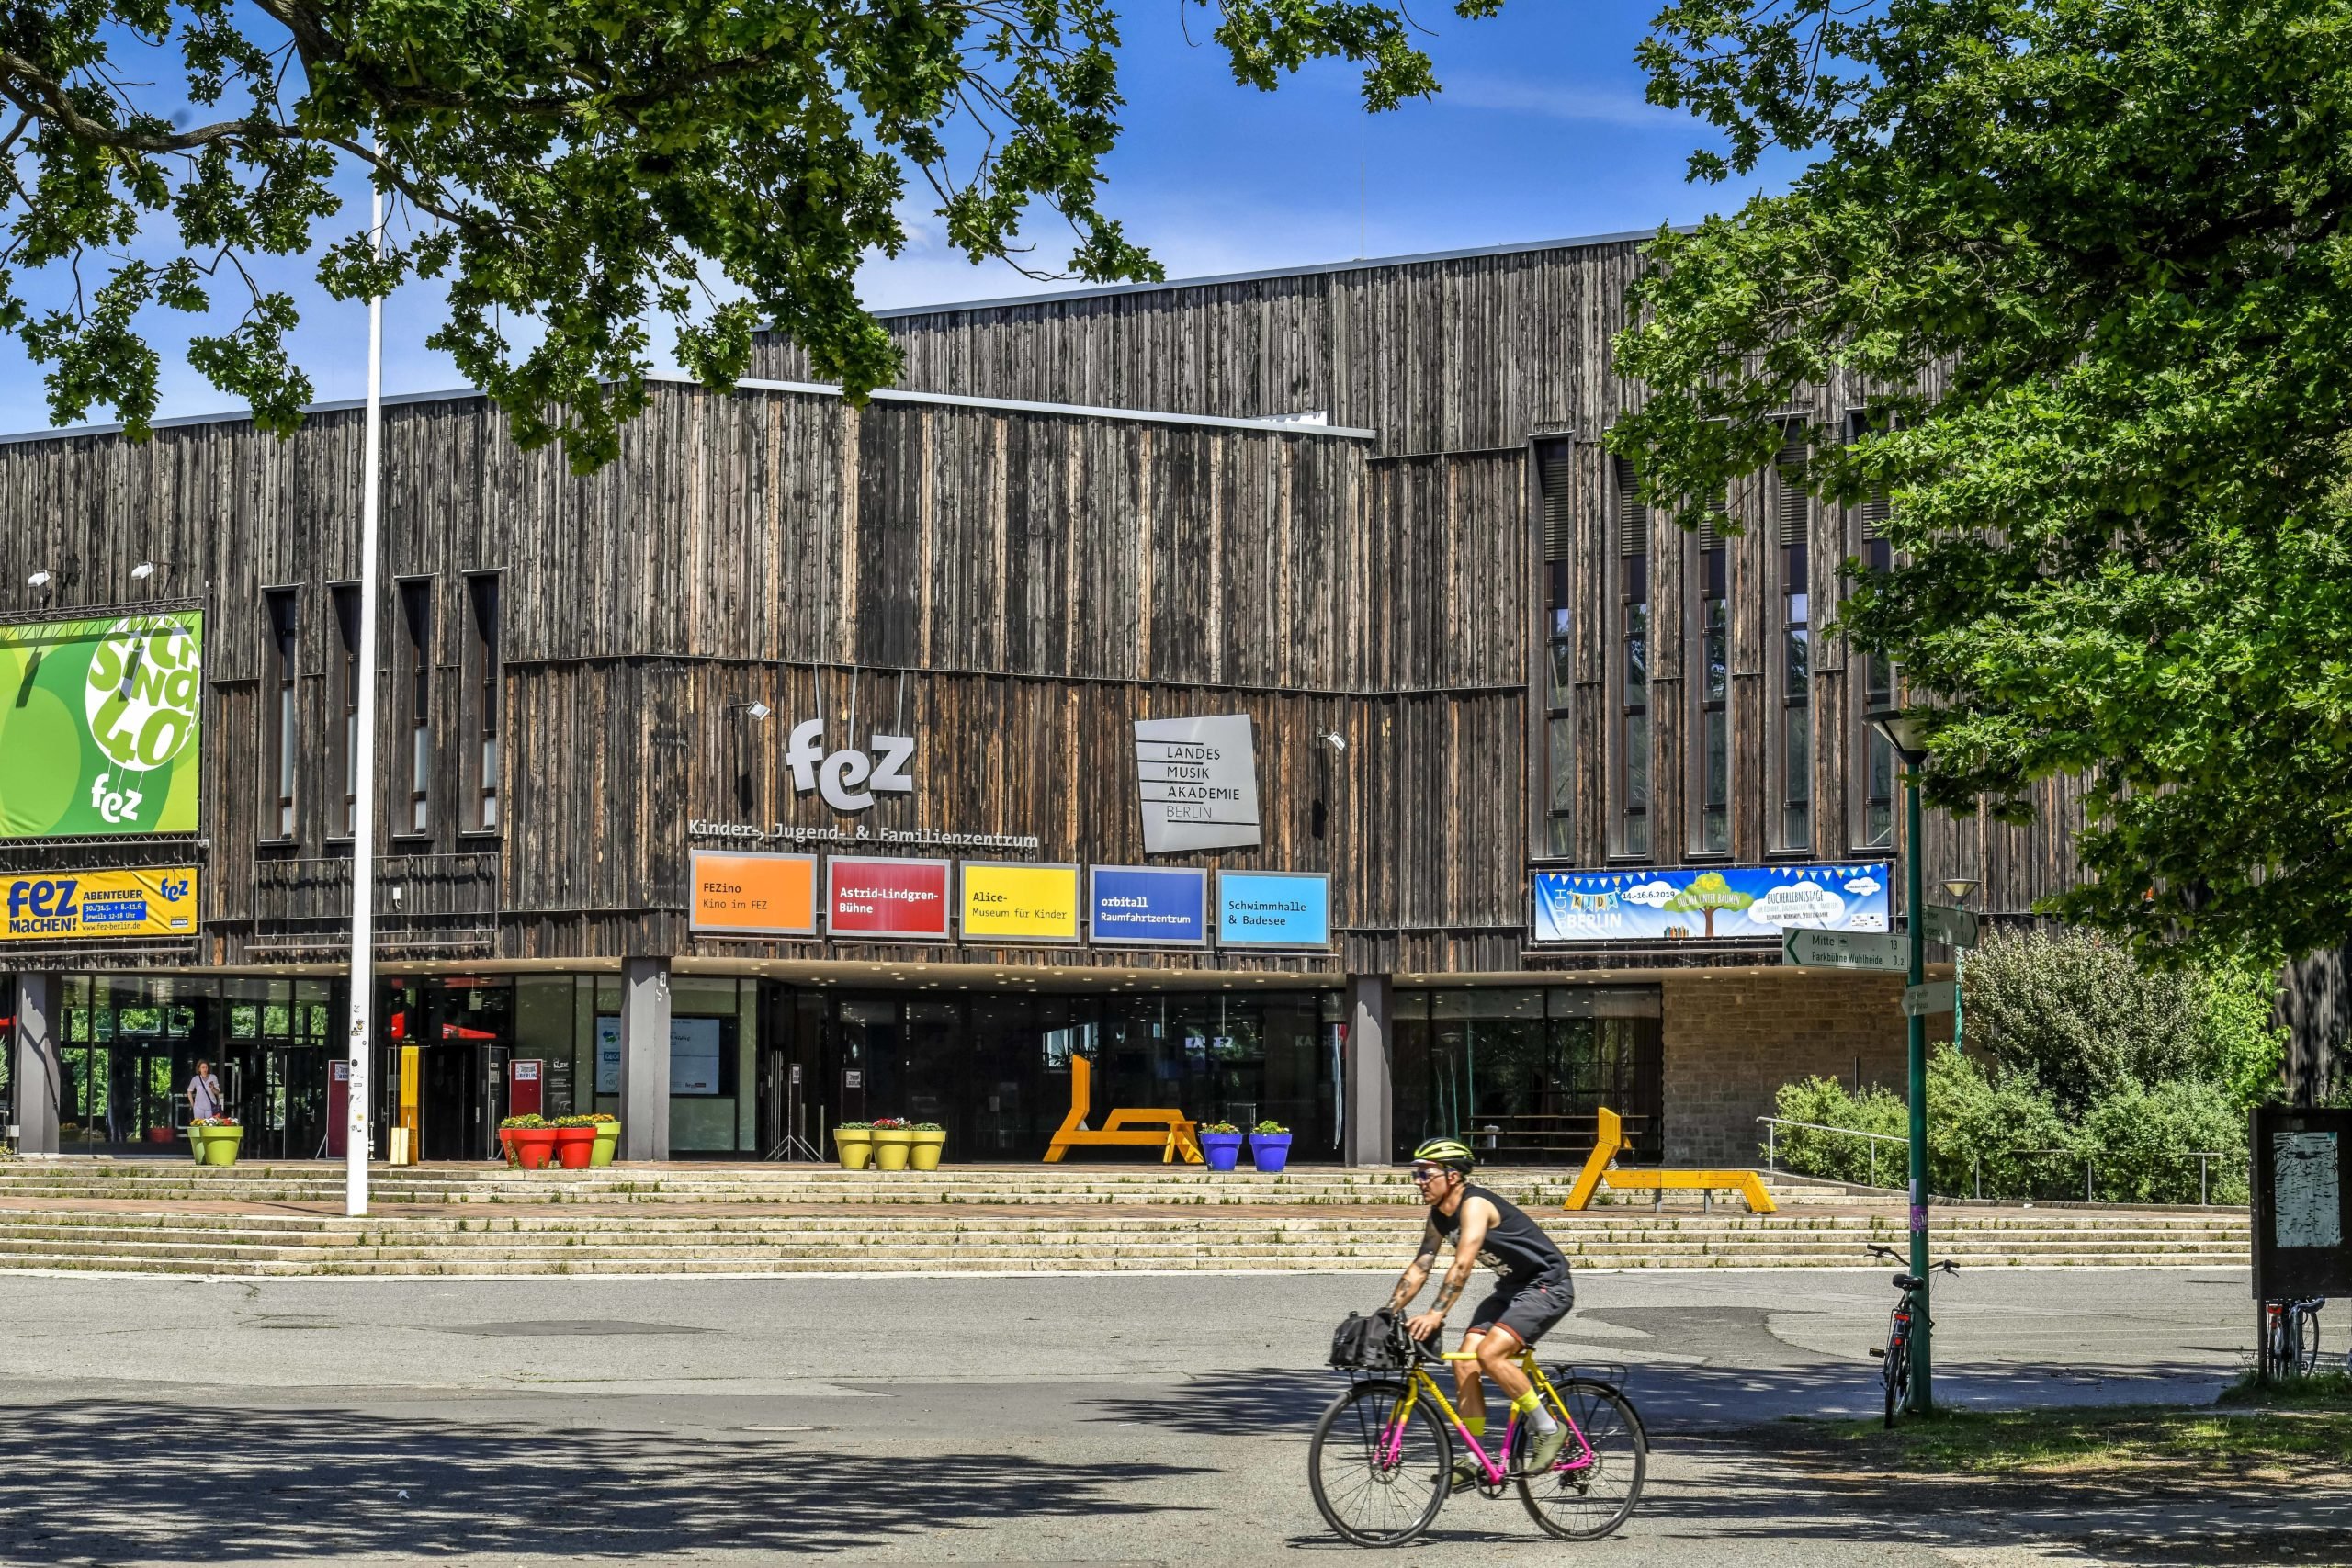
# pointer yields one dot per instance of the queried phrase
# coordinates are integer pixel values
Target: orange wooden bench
(1171, 1130)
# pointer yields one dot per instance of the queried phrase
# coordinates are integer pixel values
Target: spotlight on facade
(1334, 739)
(143, 571)
(758, 712)
(38, 580)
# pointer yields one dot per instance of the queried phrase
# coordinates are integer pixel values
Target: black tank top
(1514, 1246)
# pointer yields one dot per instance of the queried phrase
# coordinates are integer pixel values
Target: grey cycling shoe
(1544, 1448)
(1467, 1473)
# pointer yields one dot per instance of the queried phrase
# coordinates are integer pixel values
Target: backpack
(1374, 1343)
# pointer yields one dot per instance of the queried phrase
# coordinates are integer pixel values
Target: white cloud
(1862, 886)
(1611, 105)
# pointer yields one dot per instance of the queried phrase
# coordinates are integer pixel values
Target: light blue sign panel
(1710, 903)
(1274, 909)
(1150, 906)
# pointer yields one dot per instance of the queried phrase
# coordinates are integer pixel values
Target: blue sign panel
(1150, 905)
(1274, 909)
(1710, 903)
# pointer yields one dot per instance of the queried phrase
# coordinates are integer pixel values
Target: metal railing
(1772, 1126)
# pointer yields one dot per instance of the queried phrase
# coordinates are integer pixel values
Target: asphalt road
(1071, 1419)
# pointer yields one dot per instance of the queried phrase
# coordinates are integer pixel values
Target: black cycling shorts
(1529, 1313)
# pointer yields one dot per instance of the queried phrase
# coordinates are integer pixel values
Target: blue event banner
(1274, 909)
(1154, 906)
(1710, 903)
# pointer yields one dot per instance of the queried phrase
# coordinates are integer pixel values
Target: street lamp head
(1906, 729)
(1960, 888)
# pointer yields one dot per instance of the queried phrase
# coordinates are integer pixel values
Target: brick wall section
(1734, 1036)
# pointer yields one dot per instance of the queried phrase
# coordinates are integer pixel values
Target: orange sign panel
(749, 895)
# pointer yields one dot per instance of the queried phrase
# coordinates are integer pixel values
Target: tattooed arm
(1409, 1284)
(1476, 1216)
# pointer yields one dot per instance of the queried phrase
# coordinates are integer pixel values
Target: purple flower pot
(1222, 1149)
(1269, 1151)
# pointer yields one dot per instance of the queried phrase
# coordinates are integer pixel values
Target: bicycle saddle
(1907, 1281)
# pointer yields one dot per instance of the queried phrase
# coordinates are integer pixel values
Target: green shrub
(1979, 1116)
(2141, 1134)
(1828, 1104)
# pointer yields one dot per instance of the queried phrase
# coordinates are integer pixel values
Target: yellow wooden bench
(1596, 1174)
(1171, 1130)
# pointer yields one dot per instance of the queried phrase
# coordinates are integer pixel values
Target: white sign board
(1845, 950)
(2307, 1182)
(609, 1054)
(1199, 779)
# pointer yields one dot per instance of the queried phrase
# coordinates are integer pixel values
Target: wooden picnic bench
(1171, 1130)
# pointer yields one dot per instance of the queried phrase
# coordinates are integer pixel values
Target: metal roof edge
(1313, 269)
(1086, 411)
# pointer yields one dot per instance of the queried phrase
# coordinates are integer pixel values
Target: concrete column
(1371, 1096)
(41, 1069)
(645, 1058)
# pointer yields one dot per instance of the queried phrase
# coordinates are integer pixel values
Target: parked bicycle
(1895, 1354)
(2290, 1337)
(1382, 1463)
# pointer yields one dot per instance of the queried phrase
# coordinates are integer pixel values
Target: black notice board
(2302, 1202)
(557, 1091)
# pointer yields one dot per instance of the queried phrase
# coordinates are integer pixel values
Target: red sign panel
(902, 899)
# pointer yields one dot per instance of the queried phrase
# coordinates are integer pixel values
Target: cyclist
(1533, 1293)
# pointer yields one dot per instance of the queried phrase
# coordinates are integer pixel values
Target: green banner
(98, 723)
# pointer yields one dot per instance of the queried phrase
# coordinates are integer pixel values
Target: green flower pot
(216, 1145)
(608, 1138)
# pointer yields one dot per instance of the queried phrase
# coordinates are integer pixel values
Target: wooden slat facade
(1012, 587)
(1456, 365)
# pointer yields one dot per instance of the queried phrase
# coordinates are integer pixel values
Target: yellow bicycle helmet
(1446, 1151)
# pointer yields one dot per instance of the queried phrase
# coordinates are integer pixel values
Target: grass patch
(2253, 1432)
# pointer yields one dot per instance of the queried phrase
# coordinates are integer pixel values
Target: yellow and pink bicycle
(1382, 1463)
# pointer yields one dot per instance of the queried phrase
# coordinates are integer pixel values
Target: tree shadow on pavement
(1790, 1481)
(110, 1481)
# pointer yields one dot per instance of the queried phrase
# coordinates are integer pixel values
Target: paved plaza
(1110, 1420)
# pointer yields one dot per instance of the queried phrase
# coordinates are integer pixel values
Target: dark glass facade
(1520, 1072)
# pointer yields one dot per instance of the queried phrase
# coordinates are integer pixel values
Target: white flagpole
(363, 847)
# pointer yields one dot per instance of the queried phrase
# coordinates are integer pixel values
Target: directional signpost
(1843, 949)
(1953, 928)
(1931, 996)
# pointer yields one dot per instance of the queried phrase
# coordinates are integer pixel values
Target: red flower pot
(574, 1146)
(506, 1144)
(533, 1146)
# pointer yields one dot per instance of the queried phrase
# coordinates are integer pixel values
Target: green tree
(2085, 263)
(571, 170)
(2076, 1014)
(1708, 892)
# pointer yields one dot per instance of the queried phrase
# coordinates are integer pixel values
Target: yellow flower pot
(891, 1146)
(855, 1146)
(924, 1152)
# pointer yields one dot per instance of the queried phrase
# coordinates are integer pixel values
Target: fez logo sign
(96, 903)
(98, 729)
(849, 780)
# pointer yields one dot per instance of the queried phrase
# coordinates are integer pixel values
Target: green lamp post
(1905, 731)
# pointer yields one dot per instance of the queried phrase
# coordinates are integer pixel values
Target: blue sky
(1542, 132)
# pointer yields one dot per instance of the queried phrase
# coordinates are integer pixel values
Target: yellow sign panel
(1019, 902)
(70, 906)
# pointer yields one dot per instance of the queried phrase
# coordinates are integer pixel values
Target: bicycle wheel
(2306, 1343)
(1590, 1500)
(1897, 1374)
(1378, 1482)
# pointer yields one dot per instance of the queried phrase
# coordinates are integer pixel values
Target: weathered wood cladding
(1455, 364)
(1012, 587)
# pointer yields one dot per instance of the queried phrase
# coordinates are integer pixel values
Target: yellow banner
(67, 905)
(1021, 903)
